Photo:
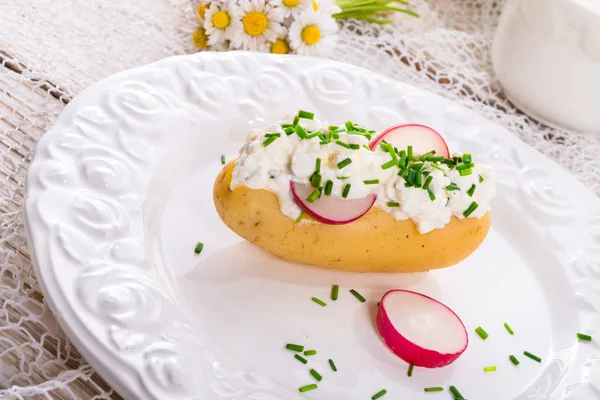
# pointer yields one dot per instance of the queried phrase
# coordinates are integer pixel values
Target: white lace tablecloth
(50, 50)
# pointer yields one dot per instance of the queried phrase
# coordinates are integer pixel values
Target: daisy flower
(261, 24)
(326, 6)
(292, 8)
(221, 22)
(200, 39)
(313, 33)
(280, 45)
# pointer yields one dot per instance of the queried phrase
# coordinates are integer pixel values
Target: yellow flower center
(291, 3)
(255, 23)
(200, 39)
(280, 46)
(201, 10)
(315, 6)
(220, 20)
(311, 34)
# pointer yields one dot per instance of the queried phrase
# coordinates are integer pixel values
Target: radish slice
(422, 138)
(420, 330)
(331, 210)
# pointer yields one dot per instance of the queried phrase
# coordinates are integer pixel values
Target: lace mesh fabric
(50, 50)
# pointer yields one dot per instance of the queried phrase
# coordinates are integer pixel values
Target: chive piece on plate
(402, 172)
(456, 393)
(319, 302)
(409, 152)
(300, 131)
(465, 172)
(471, 190)
(393, 204)
(379, 394)
(300, 216)
(332, 365)
(307, 388)
(532, 356)
(294, 347)
(223, 159)
(427, 182)
(301, 359)
(433, 389)
(467, 158)
(335, 292)
(436, 159)
(358, 295)
(419, 179)
(346, 190)
(371, 182)
(199, 247)
(470, 209)
(316, 375)
(340, 143)
(342, 177)
(307, 115)
(410, 370)
(452, 186)
(344, 163)
(354, 146)
(509, 329)
(388, 164)
(271, 139)
(464, 166)
(491, 368)
(431, 194)
(296, 120)
(315, 180)
(289, 130)
(318, 165)
(313, 196)
(582, 336)
(482, 333)
(514, 359)
(310, 353)
(328, 188)
(481, 178)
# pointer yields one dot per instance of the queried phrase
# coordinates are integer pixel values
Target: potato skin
(376, 242)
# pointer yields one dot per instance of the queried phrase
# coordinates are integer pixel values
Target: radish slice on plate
(331, 210)
(422, 138)
(420, 330)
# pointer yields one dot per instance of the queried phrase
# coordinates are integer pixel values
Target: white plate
(120, 191)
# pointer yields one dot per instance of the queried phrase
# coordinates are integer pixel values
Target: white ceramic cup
(546, 55)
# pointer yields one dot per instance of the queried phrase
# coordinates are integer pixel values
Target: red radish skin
(331, 210)
(448, 324)
(422, 138)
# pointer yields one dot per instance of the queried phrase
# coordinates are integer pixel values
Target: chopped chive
(402, 153)
(410, 370)
(346, 190)
(452, 186)
(294, 347)
(199, 247)
(301, 359)
(532, 356)
(465, 172)
(366, 147)
(357, 295)
(471, 190)
(388, 164)
(355, 132)
(464, 166)
(328, 188)
(272, 134)
(343, 163)
(438, 168)
(433, 389)
(508, 328)
(481, 179)
(300, 216)
(342, 177)
(349, 125)
(467, 158)
(296, 120)
(289, 130)
(456, 393)
(332, 365)
(426, 156)
(470, 209)
(313, 196)
(412, 175)
(310, 353)
(354, 146)
(301, 132)
(514, 360)
(403, 162)
(319, 302)
(431, 194)
(489, 369)
(416, 166)
(419, 179)
(271, 139)
(582, 336)
(427, 182)
(223, 159)
(371, 182)
(402, 171)
(320, 191)
(313, 135)
(307, 388)
(286, 125)
(449, 161)
(379, 394)
(334, 292)
(315, 180)
(316, 375)
(436, 159)
(332, 127)
(340, 143)
(393, 204)
(335, 135)
(306, 114)
(318, 165)
(482, 333)
(409, 152)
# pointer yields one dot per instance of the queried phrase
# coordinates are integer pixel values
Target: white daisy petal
(313, 33)
(222, 22)
(326, 6)
(260, 25)
(292, 8)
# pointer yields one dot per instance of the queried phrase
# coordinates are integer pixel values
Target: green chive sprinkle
(410, 370)
(332, 127)
(294, 347)
(310, 353)
(307, 388)
(419, 180)
(470, 209)
(393, 204)
(354, 146)
(306, 114)
(315, 180)
(489, 369)
(467, 158)
(409, 152)
(388, 164)
(456, 393)
(402, 171)
(301, 359)
(403, 162)
(426, 156)
(301, 132)
(366, 147)
(286, 125)
(199, 247)
(223, 159)
(471, 190)
(349, 125)
(344, 163)
(431, 194)
(427, 182)
(289, 130)
(328, 188)
(532, 356)
(514, 360)
(340, 143)
(582, 336)
(410, 179)
(433, 389)
(438, 168)
(465, 172)
(316, 375)
(452, 186)
(482, 333)
(379, 394)
(508, 328)
(296, 120)
(371, 182)
(313, 196)
(480, 178)
(313, 135)
(436, 159)
(346, 190)
(357, 295)
(335, 135)
(335, 292)
(342, 177)
(332, 365)
(318, 165)
(300, 216)
(271, 139)
(319, 302)
(449, 161)
(464, 166)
